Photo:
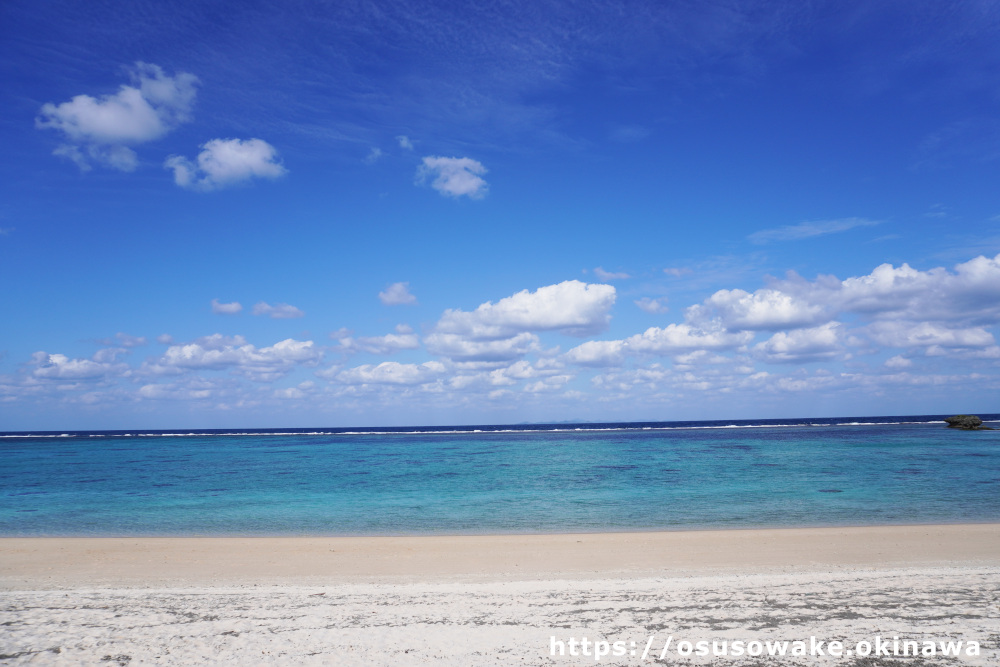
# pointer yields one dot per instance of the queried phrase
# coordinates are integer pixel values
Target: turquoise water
(552, 479)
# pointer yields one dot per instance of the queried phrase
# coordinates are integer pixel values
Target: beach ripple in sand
(499, 623)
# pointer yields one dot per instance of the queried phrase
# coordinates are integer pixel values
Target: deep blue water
(500, 479)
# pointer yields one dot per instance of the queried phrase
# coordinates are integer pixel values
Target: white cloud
(453, 176)
(926, 334)
(61, 367)
(461, 348)
(971, 294)
(174, 392)
(504, 331)
(124, 339)
(121, 158)
(403, 339)
(572, 307)
(373, 156)
(218, 352)
(100, 130)
(404, 142)
(766, 309)
(598, 353)
(897, 362)
(279, 311)
(802, 345)
(302, 390)
(397, 294)
(392, 373)
(230, 308)
(675, 338)
(548, 384)
(805, 230)
(968, 296)
(226, 162)
(610, 275)
(699, 358)
(165, 339)
(676, 272)
(651, 305)
(671, 339)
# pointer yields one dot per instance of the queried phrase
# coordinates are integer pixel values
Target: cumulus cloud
(802, 345)
(102, 129)
(392, 373)
(461, 348)
(218, 352)
(279, 311)
(404, 142)
(504, 331)
(651, 305)
(898, 362)
(60, 367)
(766, 309)
(597, 353)
(572, 307)
(805, 230)
(373, 156)
(300, 391)
(969, 295)
(226, 162)
(927, 334)
(403, 339)
(671, 339)
(548, 384)
(453, 176)
(230, 308)
(397, 294)
(940, 311)
(675, 338)
(610, 275)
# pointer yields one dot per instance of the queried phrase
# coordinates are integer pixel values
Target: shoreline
(472, 601)
(143, 562)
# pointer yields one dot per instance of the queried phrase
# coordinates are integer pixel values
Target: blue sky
(385, 213)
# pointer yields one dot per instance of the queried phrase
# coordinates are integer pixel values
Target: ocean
(538, 478)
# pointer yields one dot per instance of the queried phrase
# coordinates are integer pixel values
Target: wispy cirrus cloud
(230, 308)
(610, 275)
(805, 230)
(652, 306)
(279, 311)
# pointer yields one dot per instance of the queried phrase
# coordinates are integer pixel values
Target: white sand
(450, 611)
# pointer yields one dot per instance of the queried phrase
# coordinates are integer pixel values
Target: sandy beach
(478, 600)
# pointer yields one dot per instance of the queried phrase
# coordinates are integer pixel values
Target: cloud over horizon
(862, 333)
(279, 311)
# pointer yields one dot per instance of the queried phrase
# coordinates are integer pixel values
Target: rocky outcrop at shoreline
(966, 422)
